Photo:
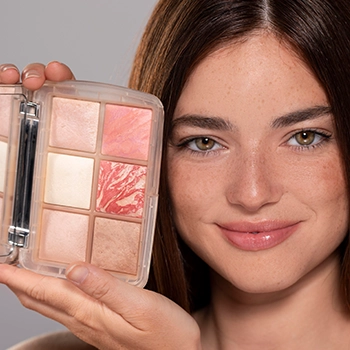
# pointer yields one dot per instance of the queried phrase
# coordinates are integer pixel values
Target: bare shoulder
(54, 341)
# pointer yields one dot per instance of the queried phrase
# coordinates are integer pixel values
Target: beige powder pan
(95, 177)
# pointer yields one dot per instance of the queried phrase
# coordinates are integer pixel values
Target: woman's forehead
(260, 74)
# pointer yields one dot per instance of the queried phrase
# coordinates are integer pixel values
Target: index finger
(56, 71)
(33, 76)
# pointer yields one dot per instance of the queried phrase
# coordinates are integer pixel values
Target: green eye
(204, 143)
(305, 138)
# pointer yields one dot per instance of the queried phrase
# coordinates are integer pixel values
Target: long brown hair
(182, 32)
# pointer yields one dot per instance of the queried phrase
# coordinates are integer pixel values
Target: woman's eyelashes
(201, 145)
(308, 139)
(204, 145)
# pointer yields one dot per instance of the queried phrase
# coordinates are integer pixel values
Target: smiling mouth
(270, 234)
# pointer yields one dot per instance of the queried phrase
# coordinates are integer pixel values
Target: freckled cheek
(191, 188)
(320, 184)
(332, 183)
(331, 202)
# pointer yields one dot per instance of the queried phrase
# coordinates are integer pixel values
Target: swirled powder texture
(121, 189)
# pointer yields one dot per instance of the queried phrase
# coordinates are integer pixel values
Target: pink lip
(268, 234)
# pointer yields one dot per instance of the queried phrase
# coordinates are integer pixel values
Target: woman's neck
(308, 315)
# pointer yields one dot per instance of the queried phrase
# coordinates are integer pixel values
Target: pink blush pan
(121, 189)
(126, 132)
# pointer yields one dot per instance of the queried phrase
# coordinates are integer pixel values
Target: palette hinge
(18, 236)
(18, 232)
(30, 109)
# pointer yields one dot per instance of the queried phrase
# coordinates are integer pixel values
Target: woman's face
(254, 169)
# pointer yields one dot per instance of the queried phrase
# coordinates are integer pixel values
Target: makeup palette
(79, 176)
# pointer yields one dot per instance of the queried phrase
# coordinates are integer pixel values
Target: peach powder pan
(79, 175)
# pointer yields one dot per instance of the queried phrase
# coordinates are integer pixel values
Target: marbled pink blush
(121, 189)
(126, 132)
(116, 245)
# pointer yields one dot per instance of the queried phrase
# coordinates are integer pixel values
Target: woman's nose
(255, 180)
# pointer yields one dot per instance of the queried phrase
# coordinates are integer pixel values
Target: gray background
(97, 39)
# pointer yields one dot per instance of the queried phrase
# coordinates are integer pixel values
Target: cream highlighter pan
(95, 177)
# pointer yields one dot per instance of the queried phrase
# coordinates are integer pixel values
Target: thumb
(119, 296)
(154, 316)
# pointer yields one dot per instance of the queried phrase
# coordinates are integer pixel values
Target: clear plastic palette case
(79, 175)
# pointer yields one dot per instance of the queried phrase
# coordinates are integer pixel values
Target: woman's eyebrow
(218, 123)
(300, 116)
(199, 121)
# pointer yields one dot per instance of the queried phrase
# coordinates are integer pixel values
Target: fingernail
(77, 274)
(31, 73)
(5, 67)
(55, 62)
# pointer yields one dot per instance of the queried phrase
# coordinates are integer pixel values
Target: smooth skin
(95, 306)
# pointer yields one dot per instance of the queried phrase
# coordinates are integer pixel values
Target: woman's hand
(35, 74)
(104, 311)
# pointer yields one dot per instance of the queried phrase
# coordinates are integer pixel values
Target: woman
(252, 235)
